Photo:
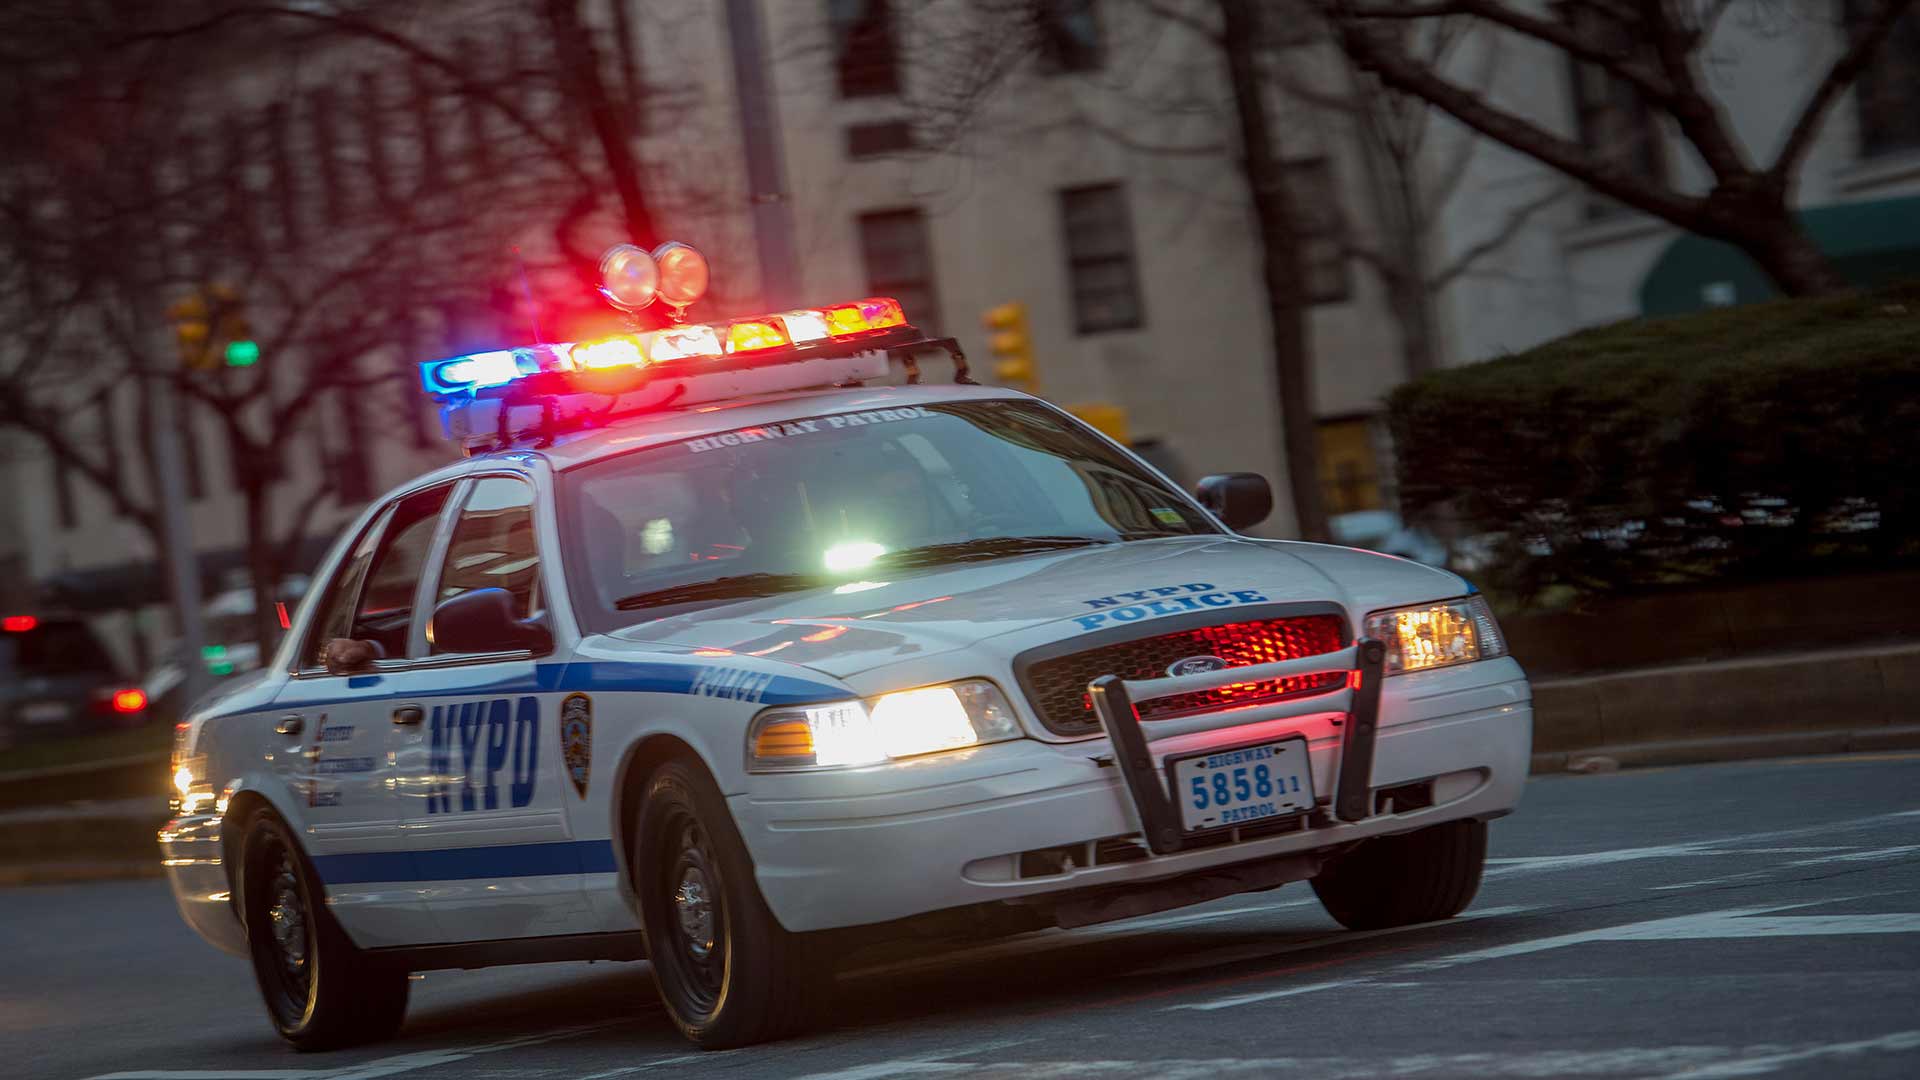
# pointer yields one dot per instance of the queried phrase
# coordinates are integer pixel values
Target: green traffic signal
(243, 353)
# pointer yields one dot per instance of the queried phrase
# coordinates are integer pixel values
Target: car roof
(708, 418)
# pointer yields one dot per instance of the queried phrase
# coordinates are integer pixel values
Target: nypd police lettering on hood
(726, 635)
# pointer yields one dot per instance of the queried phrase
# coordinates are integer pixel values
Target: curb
(1835, 701)
(1727, 748)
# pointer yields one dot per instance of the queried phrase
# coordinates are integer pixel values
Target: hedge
(1773, 439)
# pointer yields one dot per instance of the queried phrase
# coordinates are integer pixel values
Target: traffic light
(231, 327)
(1011, 344)
(191, 330)
(210, 327)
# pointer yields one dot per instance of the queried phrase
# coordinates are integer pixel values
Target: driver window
(492, 546)
(335, 619)
(384, 614)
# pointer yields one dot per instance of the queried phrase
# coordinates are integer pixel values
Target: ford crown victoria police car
(713, 654)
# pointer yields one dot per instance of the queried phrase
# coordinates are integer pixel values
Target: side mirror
(482, 621)
(347, 656)
(1240, 499)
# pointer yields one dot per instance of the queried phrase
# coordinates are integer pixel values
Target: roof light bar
(772, 338)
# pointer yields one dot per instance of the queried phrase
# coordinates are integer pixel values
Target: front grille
(1057, 686)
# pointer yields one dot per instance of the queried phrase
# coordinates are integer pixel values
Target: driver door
(341, 730)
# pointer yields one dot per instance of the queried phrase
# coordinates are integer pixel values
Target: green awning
(1870, 243)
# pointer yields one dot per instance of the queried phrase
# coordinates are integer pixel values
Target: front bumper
(849, 848)
(190, 851)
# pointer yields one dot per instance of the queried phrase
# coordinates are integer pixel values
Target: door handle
(409, 714)
(290, 725)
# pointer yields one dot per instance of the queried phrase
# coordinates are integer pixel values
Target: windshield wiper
(732, 587)
(986, 547)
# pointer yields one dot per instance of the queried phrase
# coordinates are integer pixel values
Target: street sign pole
(183, 569)
(766, 170)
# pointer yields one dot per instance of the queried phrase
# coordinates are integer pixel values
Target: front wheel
(321, 993)
(728, 972)
(1401, 880)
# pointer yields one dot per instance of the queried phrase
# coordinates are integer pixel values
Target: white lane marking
(645, 1066)
(369, 1070)
(1692, 848)
(217, 1074)
(932, 1063)
(1734, 923)
(1675, 1062)
(1762, 1064)
(1860, 856)
(1235, 954)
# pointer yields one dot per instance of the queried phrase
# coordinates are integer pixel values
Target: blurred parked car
(57, 679)
(231, 648)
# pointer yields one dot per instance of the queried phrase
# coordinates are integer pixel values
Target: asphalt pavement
(1735, 920)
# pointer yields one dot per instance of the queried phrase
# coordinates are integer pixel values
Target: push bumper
(191, 853)
(1025, 821)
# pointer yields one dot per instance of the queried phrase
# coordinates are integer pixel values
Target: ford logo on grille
(1195, 665)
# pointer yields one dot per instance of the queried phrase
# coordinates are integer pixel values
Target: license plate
(1219, 789)
(43, 712)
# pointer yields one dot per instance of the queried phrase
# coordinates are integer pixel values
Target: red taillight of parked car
(129, 701)
(18, 624)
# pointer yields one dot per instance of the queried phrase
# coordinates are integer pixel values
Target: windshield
(763, 510)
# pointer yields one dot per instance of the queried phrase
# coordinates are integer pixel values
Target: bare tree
(1656, 49)
(977, 47)
(128, 191)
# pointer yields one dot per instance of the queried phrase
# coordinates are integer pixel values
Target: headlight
(897, 725)
(1435, 635)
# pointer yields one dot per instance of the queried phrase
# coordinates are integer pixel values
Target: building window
(1100, 270)
(1067, 36)
(865, 57)
(899, 261)
(874, 140)
(1349, 466)
(1610, 117)
(1887, 94)
(1322, 230)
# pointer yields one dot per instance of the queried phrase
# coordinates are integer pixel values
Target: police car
(727, 648)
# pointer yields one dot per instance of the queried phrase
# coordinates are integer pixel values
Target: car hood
(914, 614)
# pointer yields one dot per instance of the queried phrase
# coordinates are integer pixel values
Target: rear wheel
(321, 993)
(728, 972)
(1400, 880)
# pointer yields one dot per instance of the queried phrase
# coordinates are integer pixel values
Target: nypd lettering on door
(497, 743)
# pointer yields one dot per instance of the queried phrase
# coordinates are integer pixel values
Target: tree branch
(1844, 72)
(1517, 220)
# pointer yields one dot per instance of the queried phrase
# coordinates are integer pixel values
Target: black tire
(728, 972)
(1401, 880)
(321, 993)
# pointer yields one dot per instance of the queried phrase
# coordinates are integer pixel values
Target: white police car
(712, 654)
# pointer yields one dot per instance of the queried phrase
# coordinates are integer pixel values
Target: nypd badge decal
(576, 739)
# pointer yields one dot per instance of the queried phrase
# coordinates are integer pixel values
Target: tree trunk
(1788, 255)
(262, 572)
(1280, 266)
(581, 60)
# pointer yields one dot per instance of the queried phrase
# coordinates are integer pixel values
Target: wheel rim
(695, 914)
(285, 945)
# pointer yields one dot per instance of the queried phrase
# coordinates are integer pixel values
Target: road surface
(1718, 921)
